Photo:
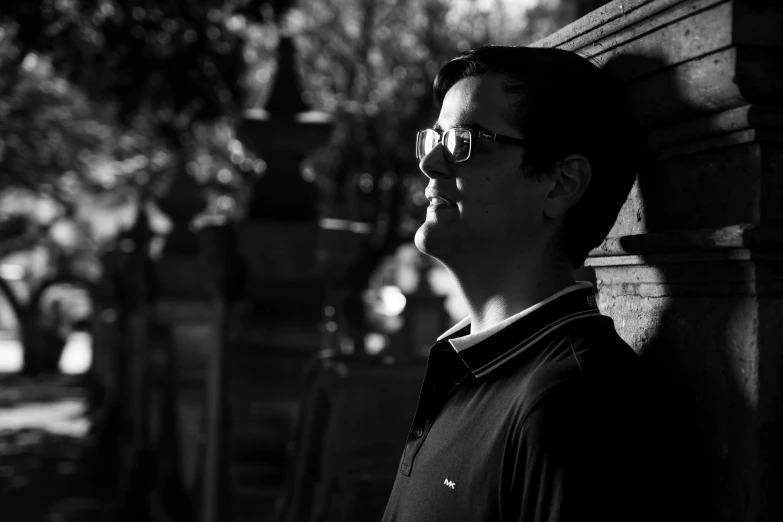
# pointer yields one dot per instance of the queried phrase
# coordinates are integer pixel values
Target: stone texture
(692, 271)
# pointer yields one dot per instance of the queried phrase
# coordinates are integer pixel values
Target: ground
(48, 465)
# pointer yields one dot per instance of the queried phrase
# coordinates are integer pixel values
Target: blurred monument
(274, 271)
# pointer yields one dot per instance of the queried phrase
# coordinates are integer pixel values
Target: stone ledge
(758, 24)
(755, 240)
(295, 251)
(744, 124)
(187, 310)
(725, 278)
(669, 258)
(727, 273)
(594, 39)
(691, 67)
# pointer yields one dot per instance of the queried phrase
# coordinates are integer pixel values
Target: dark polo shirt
(545, 420)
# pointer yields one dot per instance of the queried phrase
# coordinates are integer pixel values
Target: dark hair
(563, 104)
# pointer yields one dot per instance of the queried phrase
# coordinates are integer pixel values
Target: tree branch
(12, 298)
(37, 294)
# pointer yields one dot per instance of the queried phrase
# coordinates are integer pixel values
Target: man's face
(493, 209)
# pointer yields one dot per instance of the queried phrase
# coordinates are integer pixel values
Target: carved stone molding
(692, 271)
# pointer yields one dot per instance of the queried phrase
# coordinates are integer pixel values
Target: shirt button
(418, 432)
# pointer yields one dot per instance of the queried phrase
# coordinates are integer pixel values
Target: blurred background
(211, 307)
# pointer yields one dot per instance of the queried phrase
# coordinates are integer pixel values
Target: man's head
(552, 184)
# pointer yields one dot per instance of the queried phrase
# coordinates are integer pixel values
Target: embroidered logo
(591, 301)
(448, 483)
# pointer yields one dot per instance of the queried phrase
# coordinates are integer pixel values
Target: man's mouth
(436, 201)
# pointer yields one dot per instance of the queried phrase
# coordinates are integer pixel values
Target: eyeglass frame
(479, 133)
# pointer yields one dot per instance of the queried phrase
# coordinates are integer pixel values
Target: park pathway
(48, 465)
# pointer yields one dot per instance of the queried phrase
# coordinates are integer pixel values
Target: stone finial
(286, 96)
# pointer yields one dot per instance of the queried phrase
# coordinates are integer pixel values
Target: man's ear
(571, 178)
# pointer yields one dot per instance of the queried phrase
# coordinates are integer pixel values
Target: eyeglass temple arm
(503, 139)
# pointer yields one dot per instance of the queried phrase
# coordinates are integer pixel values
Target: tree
(179, 61)
(69, 180)
(99, 106)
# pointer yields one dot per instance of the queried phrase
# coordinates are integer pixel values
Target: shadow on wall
(696, 335)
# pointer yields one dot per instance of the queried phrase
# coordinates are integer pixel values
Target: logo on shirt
(448, 483)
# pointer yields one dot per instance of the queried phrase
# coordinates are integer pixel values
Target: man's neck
(495, 290)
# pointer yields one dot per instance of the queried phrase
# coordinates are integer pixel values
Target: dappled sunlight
(77, 355)
(10, 356)
(76, 358)
(64, 417)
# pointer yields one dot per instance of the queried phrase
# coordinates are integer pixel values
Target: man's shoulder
(585, 357)
(599, 350)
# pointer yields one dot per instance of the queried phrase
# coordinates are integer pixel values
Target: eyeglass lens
(427, 140)
(456, 142)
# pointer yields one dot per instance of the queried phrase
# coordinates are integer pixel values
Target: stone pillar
(691, 272)
(122, 306)
(225, 278)
(125, 296)
(181, 344)
(276, 267)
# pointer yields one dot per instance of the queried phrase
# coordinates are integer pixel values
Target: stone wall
(692, 272)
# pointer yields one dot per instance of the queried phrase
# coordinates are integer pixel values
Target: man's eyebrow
(462, 125)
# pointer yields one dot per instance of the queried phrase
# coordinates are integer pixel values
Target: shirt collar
(512, 335)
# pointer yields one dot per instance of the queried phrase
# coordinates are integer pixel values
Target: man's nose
(434, 164)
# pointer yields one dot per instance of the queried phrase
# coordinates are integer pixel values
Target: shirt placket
(445, 372)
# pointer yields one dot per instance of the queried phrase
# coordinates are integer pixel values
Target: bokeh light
(391, 300)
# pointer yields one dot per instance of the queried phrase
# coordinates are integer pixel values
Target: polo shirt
(466, 341)
(546, 419)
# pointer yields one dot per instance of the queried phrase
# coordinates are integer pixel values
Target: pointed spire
(286, 97)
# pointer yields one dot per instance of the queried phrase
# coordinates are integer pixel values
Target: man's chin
(429, 241)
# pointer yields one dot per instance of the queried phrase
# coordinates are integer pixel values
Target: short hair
(563, 104)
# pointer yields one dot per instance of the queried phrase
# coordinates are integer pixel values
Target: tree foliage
(98, 104)
(70, 179)
(177, 60)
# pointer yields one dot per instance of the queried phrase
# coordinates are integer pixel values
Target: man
(532, 408)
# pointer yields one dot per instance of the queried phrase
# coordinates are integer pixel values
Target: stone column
(279, 264)
(692, 270)
(183, 346)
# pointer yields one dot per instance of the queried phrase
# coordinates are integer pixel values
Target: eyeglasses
(457, 142)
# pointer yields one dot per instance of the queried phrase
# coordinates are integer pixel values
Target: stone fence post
(692, 272)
